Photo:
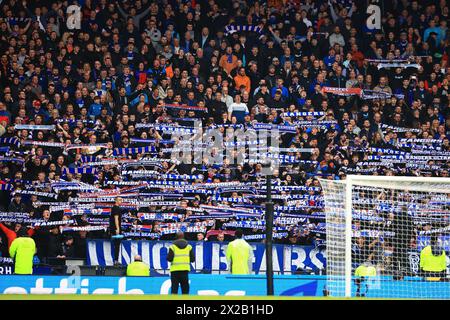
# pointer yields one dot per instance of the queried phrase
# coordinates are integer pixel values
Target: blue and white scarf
(315, 123)
(86, 146)
(88, 158)
(37, 193)
(79, 170)
(429, 157)
(372, 94)
(288, 150)
(232, 28)
(398, 65)
(98, 221)
(84, 228)
(13, 140)
(416, 140)
(101, 163)
(231, 199)
(126, 151)
(245, 189)
(268, 126)
(45, 143)
(141, 234)
(87, 211)
(159, 216)
(43, 223)
(304, 114)
(32, 127)
(136, 140)
(23, 215)
(387, 157)
(11, 159)
(420, 147)
(6, 187)
(387, 151)
(386, 127)
(167, 128)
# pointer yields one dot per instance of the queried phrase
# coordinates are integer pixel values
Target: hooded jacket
(180, 243)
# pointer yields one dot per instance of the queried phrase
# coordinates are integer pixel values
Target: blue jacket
(95, 109)
(284, 91)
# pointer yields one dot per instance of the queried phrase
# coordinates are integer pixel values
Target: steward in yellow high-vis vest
(137, 268)
(239, 254)
(22, 250)
(363, 272)
(180, 256)
(433, 260)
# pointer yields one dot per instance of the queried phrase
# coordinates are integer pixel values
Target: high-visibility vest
(238, 251)
(432, 263)
(138, 268)
(181, 260)
(22, 250)
(365, 271)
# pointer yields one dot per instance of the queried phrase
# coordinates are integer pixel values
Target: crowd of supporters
(72, 97)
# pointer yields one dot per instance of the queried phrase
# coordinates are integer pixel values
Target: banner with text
(209, 256)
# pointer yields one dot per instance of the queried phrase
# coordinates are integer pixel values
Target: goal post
(387, 236)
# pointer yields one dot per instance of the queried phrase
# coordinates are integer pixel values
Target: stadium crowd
(82, 110)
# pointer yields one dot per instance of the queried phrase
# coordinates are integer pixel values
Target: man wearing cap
(276, 63)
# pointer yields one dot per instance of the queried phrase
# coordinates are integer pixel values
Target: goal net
(387, 237)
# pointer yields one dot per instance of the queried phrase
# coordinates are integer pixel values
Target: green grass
(159, 297)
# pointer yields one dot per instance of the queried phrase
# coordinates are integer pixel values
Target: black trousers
(116, 244)
(435, 274)
(361, 287)
(180, 278)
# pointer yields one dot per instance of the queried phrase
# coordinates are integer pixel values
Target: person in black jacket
(68, 247)
(55, 249)
(403, 232)
(115, 227)
(16, 204)
(216, 108)
(80, 244)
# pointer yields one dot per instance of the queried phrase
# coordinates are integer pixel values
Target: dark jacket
(180, 243)
(16, 207)
(55, 246)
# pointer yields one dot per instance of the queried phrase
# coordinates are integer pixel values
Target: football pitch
(162, 297)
